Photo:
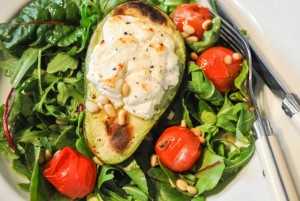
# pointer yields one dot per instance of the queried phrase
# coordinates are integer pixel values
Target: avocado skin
(110, 142)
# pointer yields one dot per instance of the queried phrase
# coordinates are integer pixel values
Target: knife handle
(275, 170)
(296, 120)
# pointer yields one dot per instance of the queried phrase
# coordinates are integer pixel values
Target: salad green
(43, 52)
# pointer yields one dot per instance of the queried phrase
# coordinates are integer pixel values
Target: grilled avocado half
(110, 141)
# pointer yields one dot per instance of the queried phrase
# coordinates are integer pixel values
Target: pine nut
(229, 137)
(110, 110)
(183, 123)
(61, 122)
(154, 160)
(181, 184)
(188, 29)
(206, 24)
(201, 139)
(102, 100)
(91, 107)
(184, 34)
(122, 115)
(98, 161)
(196, 131)
(227, 59)
(192, 190)
(194, 56)
(171, 115)
(192, 39)
(48, 155)
(237, 56)
(125, 89)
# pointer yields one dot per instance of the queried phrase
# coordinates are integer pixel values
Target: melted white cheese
(139, 53)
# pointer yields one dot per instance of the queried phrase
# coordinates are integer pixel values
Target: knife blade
(290, 101)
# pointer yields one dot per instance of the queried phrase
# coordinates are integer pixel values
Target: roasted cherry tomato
(221, 65)
(191, 15)
(71, 173)
(178, 148)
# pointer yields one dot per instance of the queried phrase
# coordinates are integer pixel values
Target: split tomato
(178, 148)
(191, 15)
(71, 173)
(221, 65)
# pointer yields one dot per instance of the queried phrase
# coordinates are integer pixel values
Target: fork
(268, 149)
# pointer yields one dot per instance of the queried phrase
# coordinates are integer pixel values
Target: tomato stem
(5, 120)
(80, 108)
(210, 166)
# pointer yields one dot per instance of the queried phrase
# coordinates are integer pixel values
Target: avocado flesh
(110, 142)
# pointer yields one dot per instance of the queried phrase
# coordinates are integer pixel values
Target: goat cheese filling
(136, 52)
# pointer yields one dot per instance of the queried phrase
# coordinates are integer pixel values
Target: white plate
(249, 184)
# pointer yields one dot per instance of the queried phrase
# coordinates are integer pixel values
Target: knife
(290, 101)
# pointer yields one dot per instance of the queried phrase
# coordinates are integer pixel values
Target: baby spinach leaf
(210, 171)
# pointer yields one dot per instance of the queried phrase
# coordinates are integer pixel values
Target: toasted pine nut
(61, 122)
(227, 59)
(125, 89)
(183, 123)
(192, 39)
(48, 155)
(229, 137)
(171, 115)
(184, 34)
(192, 190)
(110, 110)
(206, 24)
(181, 184)
(98, 161)
(122, 115)
(154, 160)
(102, 99)
(201, 139)
(188, 29)
(91, 107)
(194, 56)
(196, 131)
(237, 56)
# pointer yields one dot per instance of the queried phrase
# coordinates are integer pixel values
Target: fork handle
(273, 164)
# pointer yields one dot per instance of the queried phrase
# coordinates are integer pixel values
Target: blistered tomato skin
(178, 148)
(193, 15)
(221, 67)
(71, 173)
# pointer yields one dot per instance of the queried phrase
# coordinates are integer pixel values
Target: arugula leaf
(226, 118)
(210, 37)
(62, 62)
(203, 87)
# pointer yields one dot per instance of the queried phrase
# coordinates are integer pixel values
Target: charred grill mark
(119, 136)
(145, 9)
